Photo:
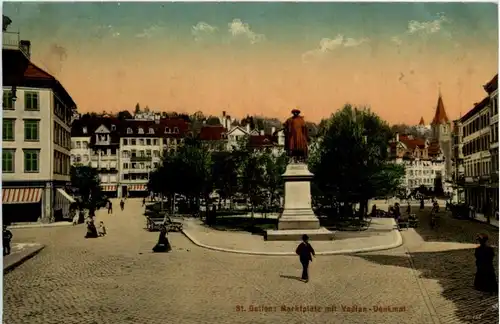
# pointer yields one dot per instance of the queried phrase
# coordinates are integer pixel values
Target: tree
(212, 120)
(137, 109)
(124, 114)
(252, 180)
(274, 167)
(225, 175)
(86, 182)
(351, 158)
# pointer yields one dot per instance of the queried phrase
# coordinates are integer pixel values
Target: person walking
(143, 202)
(305, 252)
(7, 237)
(122, 204)
(110, 207)
(485, 279)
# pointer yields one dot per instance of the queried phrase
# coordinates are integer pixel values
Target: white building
(37, 113)
(423, 160)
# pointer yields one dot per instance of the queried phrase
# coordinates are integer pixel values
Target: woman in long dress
(485, 279)
(163, 244)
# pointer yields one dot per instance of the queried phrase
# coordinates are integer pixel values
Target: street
(117, 279)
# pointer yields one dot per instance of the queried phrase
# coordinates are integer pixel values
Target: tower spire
(440, 117)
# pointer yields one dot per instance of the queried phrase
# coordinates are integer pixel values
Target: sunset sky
(266, 58)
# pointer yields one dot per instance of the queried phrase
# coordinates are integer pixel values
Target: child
(102, 229)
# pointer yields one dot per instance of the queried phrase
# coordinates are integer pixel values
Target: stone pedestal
(298, 217)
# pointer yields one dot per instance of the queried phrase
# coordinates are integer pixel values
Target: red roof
(257, 141)
(34, 72)
(434, 148)
(412, 143)
(440, 117)
(212, 133)
(422, 123)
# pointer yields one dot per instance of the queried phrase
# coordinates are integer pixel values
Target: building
(458, 168)
(423, 160)
(37, 113)
(479, 145)
(441, 132)
(492, 90)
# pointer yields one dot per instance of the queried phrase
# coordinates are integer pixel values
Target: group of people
(93, 231)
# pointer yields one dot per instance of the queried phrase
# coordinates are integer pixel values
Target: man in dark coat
(485, 279)
(7, 237)
(296, 137)
(305, 252)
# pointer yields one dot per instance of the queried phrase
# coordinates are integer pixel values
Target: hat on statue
(295, 111)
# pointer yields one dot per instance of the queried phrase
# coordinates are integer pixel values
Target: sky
(266, 58)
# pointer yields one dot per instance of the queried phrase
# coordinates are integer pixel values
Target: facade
(424, 161)
(458, 167)
(478, 146)
(37, 113)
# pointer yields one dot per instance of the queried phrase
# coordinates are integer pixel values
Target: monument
(298, 217)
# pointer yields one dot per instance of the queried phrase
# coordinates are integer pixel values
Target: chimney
(25, 46)
(397, 137)
(248, 128)
(273, 129)
(261, 132)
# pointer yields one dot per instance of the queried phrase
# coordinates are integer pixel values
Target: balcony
(141, 158)
(12, 41)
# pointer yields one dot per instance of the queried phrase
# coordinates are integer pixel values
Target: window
(125, 166)
(148, 153)
(8, 130)
(148, 141)
(156, 153)
(84, 130)
(167, 130)
(125, 141)
(113, 127)
(78, 144)
(141, 141)
(129, 130)
(176, 130)
(85, 144)
(151, 131)
(31, 164)
(8, 160)
(31, 130)
(155, 141)
(125, 154)
(85, 158)
(78, 158)
(132, 142)
(31, 101)
(140, 131)
(7, 102)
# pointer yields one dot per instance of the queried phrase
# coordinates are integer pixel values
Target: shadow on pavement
(454, 270)
(451, 229)
(291, 277)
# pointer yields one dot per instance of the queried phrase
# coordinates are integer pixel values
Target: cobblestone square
(117, 279)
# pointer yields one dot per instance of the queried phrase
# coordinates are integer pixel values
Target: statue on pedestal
(296, 137)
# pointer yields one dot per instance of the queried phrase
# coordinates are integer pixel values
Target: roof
(412, 143)
(212, 133)
(165, 127)
(492, 85)
(477, 107)
(32, 75)
(260, 141)
(434, 148)
(440, 117)
(421, 123)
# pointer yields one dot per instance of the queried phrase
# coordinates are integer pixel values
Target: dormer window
(129, 130)
(113, 127)
(140, 131)
(167, 130)
(151, 131)
(84, 130)
(176, 130)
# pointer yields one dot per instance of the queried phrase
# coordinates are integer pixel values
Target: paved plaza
(117, 279)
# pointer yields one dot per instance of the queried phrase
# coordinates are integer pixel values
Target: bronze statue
(296, 137)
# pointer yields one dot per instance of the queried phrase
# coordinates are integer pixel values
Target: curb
(398, 243)
(24, 258)
(16, 227)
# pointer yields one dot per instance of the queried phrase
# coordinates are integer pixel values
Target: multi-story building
(458, 168)
(37, 113)
(423, 160)
(477, 161)
(492, 90)
(142, 144)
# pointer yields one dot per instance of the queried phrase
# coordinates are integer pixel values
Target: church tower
(441, 133)
(441, 125)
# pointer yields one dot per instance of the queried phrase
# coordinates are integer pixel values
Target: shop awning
(108, 188)
(21, 195)
(66, 195)
(137, 188)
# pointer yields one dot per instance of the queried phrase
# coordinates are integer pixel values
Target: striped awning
(108, 187)
(137, 187)
(21, 195)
